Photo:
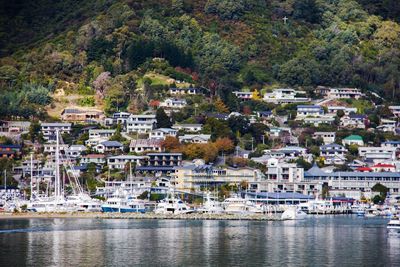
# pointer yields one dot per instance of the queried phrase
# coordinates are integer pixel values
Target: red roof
(383, 165)
(364, 169)
(94, 156)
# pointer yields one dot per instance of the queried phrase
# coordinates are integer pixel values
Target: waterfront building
(160, 162)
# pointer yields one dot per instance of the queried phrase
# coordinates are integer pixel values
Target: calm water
(317, 241)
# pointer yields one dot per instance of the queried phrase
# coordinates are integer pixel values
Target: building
(346, 110)
(75, 151)
(193, 128)
(387, 125)
(309, 110)
(195, 138)
(354, 184)
(354, 121)
(160, 162)
(316, 121)
(82, 115)
(173, 104)
(327, 137)
(353, 140)
(145, 145)
(121, 161)
(185, 91)
(281, 175)
(98, 159)
(337, 93)
(377, 154)
(141, 123)
(109, 147)
(333, 154)
(383, 167)
(162, 133)
(10, 151)
(243, 95)
(285, 96)
(50, 148)
(265, 115)
(199, 175)
(14, 127)
(49, 129)
(395, 144)
(117, 118)
(97, 136)
(395, 110)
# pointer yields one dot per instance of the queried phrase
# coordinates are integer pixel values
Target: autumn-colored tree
(256, 95)
(220, 106)
(207, 152)
(170, 143)
(224, 144)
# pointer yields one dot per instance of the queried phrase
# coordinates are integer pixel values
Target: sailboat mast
(57, 178)
(130, 175)
(31, 176)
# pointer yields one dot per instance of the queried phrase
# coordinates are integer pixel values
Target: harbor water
(341, 240)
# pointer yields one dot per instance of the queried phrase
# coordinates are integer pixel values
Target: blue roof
(309, 106)
(111, 143)
(283, 195)
(392, 142)
(155, 168)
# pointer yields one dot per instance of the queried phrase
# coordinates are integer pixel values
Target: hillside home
(353, 140)
(98, 159)
(185, 91)
(195, 138)
(145, 145)
(316, 121)
(309, 111)
(243, 95)
(162, 133)
(82, 115)
(109, 147)
(285, 96)
(337, 93)
(49, 129)
(173, 104)
(117, 118)
(10, 151)
(120, 162)
(327, 137)
(346, 110)
(141, 123)
(377, 154)
(395, 110)
(387, 125)
(194, 128)
(354, 121)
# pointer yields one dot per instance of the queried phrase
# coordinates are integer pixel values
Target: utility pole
(5, 180)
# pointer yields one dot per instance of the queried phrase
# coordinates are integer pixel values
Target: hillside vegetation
(107, 48)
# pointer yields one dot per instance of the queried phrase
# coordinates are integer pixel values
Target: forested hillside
(106, 48)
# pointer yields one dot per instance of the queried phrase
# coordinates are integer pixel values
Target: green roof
(354, 137)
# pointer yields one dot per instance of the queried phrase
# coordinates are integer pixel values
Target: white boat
(83, 203)
(123, 205)
(211, 206)
(371, 212)
(241, 205)
(293, 213)
(393, 226)
(172, 205)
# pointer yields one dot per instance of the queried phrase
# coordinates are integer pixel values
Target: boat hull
(123, 209)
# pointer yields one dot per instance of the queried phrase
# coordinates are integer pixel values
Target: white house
(309, 110)
(49, 129)
(337, 93)
(387, 125)
(75, 151)
(141, 123)
(316, 121)
(121, 161)
(327, 137)
(145, 145)
(333, 154)
(354, 121)
(353, 140)
(395, 110)
(50, 148)
(243, 95)
(194, 128)
(117, 118)
(98, 159)
(109, 146)
(377, 154)
(394, 144)
(173, 104)
(162, 133)
(195, 138)
(185, 91)
(346, 110)
(285, 96)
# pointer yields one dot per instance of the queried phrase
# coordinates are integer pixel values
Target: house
(333, 154)
(292, 152)
(99, 135)
(109, 147)
(193, 128)
(277, 131)
(316, 121)
(377, 154)
(383, 167)
(338, 93)
(185, 91)
(395, 110)
(346, 110)
(141, 123)
(117, 118)
(309, 110)
(195, 138)
(243, 95)
(285, 96)
(98, 159)
(50, 148)
(353, 140)
(75, 151)
(173, 104)
(162, 133)
(354, 121)
(265, 115)
(14, 127)
(327, 137)
(10, 151)
(218, 116)
(387, 125)
(145, 145)
(395, 144)
(75, 114)
(120, 162)
(160, 162)
(49, 129)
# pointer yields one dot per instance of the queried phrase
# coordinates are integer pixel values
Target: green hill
(106, 47)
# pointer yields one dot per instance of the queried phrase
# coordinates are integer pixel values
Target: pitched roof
(111, 143)
(145, 142)
(354, 137)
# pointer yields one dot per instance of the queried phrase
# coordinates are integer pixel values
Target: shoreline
(140, 216)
